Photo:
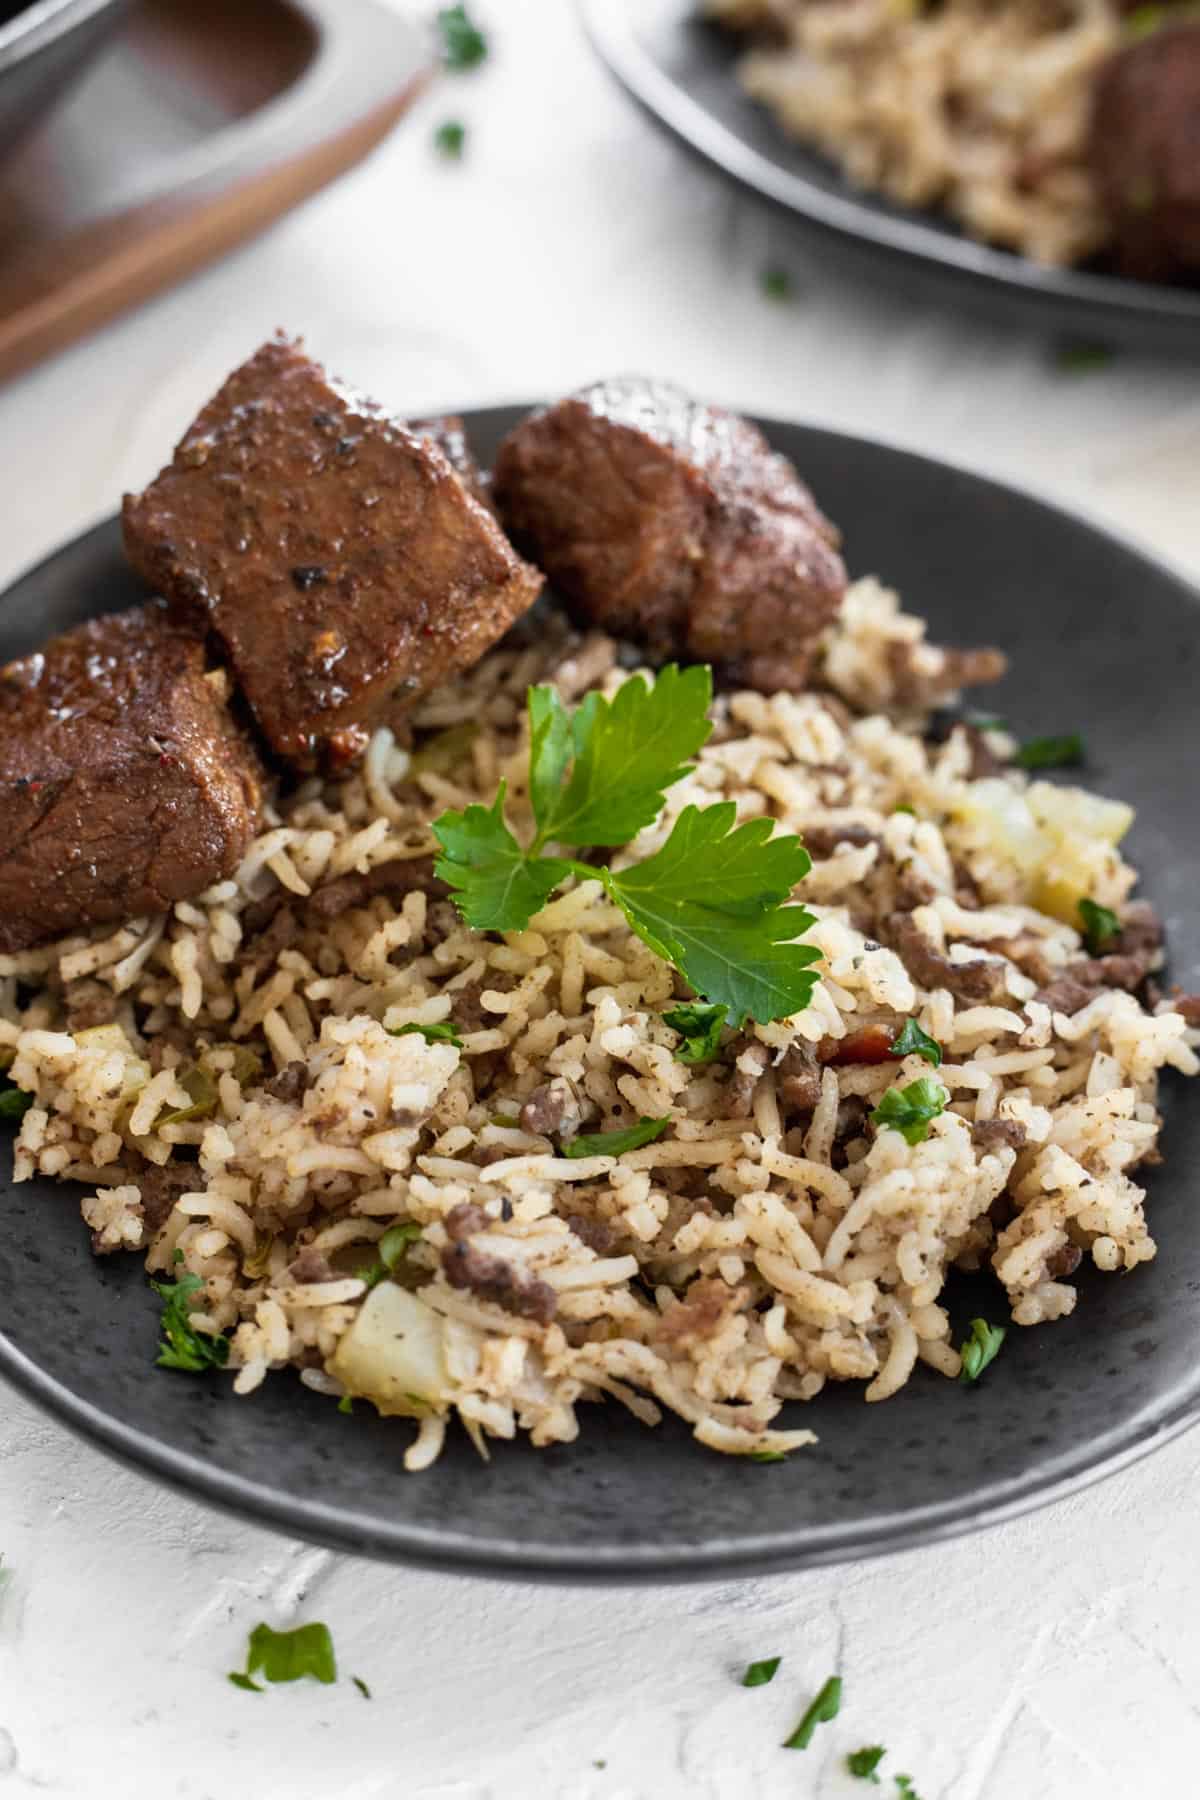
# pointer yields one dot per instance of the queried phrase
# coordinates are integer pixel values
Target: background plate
(682, 71)
(1101, 638)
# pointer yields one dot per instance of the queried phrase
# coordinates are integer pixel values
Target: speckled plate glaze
(1101, 639)
(682, 71)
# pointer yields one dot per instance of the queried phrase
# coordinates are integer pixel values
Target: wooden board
(203, 121)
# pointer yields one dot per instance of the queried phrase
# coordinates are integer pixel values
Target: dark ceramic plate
(683, 72)
(1101, 638)
(43, 46)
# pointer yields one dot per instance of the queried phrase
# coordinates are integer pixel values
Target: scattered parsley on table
(759, 1673)
(824, 1708)
(288, 1656)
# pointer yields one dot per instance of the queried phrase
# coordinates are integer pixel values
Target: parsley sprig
(713, 901)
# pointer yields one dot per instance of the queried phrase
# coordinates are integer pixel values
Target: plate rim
(610, 27)
(279, 1509)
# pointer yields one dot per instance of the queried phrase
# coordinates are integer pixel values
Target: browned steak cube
(449, 434)
(1144, 147)
(675, 524)
(338, 557)
(124, 783)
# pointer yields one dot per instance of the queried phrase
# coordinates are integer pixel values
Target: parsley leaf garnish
(14, 1102)
(1100, 925)
(463, 44)
(909, 1110)
(183, 1348)
(712, 900)
(444, 1033)
(864, 1762)
(736, 945)
(616, 1143)
(287, 1656)
(626, 752)
(498, 885)
(450, 137)
(1051, 752)
(824, 1707)
(361, 1685)
(910, 1040)
(759, 1673)
(980, 1348)
(699, 1025)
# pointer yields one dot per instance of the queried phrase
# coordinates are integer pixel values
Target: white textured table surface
(1058, 1657)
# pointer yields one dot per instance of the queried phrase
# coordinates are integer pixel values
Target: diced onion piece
(394, 1354)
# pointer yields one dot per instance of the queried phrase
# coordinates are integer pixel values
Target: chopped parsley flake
(905, 1788)
(699, 1025)
(1051, 752)
(390, 1248)
(759, 1673)
(616, 1143)
(14, 1102)
(346, 1403)
(910, 1040)
(183, 1348)
(910, 1110)
(713, 900)
(979, 1348)
(450, 137)
(864, 1763)
(768, 1456)
(287, 1656)
(776, 284)
(444, 1033)
(1100, 926)
(361, 1685)
(463, 44)
(1081, 359)
(824, 1707)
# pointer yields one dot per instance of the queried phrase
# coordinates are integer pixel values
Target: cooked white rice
(742, 1260)
(977, 107)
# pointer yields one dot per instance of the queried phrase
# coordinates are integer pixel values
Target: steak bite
(449, 433)
(337, 556)
(124, 783)
(1144, 150)
(675, 524)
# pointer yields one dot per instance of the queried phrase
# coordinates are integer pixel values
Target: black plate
(1101, 638)
(43, 47)
(683, 72)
